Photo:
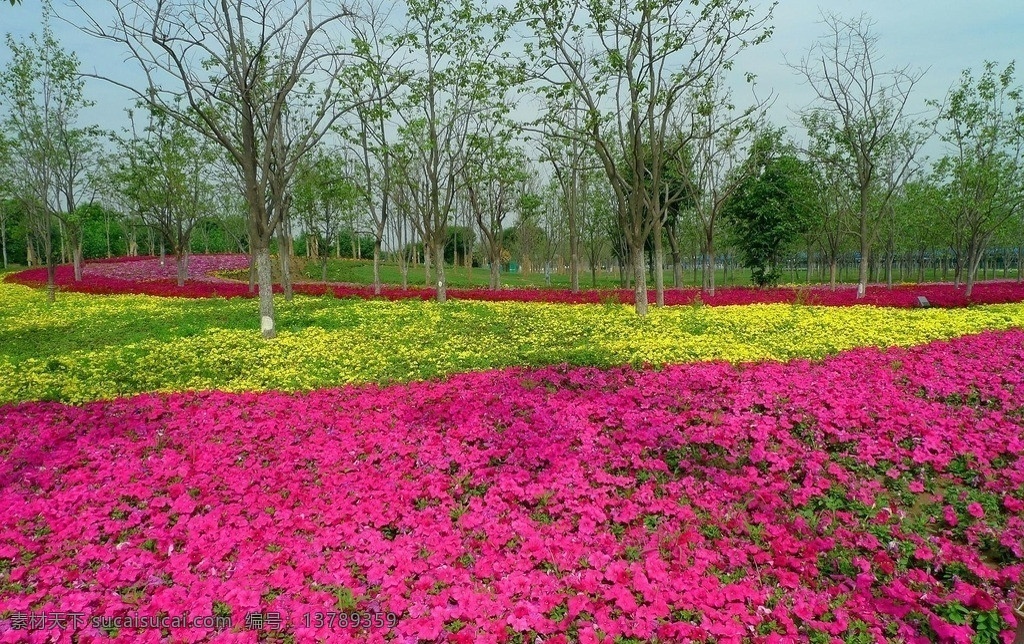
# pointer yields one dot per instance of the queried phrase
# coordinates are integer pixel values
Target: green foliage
(982, 176)
(162, 175)
(41, 93)
(769, 209)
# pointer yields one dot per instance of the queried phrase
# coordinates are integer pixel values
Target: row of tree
(396, 123)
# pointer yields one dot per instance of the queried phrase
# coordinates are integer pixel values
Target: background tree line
(592, 139)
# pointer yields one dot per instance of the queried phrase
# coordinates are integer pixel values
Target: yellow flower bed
(91, 347)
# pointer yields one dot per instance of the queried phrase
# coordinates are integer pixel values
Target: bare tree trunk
(76, 260)
(63, 242)
(659, 264)
(1020, 258)
(442, 286)
(252, 268)
(427, 275)
(640, 281)
(376, 265)
(974, 257)
(833, 269)
(3, 239)
(266, 287)
(888, 271)
(51, 268)
(574, 235)
(677, 261)
(862, 273)
(51, 280)
(285, 256)
(711, 268)
(182, 267)
(495, 279)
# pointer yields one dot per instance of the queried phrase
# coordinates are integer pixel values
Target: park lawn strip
(86, 347)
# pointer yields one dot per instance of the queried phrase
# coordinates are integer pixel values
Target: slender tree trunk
(808, 280)
(63, 242)
(284, 251)
(888, 271)
(833, 269)
(3, 239)
(1020, 260)
(51, 266)
(51, 280)
(181, 260)
(574, 235)
(252, 268)
(677, 261)
(659, 264)
(427, 252)
(163, 250)
(974, 257)
(76, 259)
(266, 288)
(376, 265)
(442, 286)
(862, 273)
(494, 282)
(711, 267)
(640, 279)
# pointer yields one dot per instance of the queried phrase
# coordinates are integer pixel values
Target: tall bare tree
(42, 93)
(162, 174)
(863, 110)
(625, 67)
(983, 173)
(493, 178)
(259, 78)
(375, 79)
(462, 74)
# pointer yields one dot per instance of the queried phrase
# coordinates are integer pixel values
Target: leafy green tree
(769, 208)
(983, 174)
(462, 74)
(6, 194)
(374, 80)
(164, 173)
(624, 68)
(324, 192)
(258, 78)
(494, 177)
(42, 94)
(861, 120)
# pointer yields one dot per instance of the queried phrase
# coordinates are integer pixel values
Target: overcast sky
(941, 36)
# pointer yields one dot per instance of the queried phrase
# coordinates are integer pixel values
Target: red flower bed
(146, 276)
(877, 495)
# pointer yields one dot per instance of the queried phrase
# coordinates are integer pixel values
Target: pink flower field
(145, 275)
(874, 495)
